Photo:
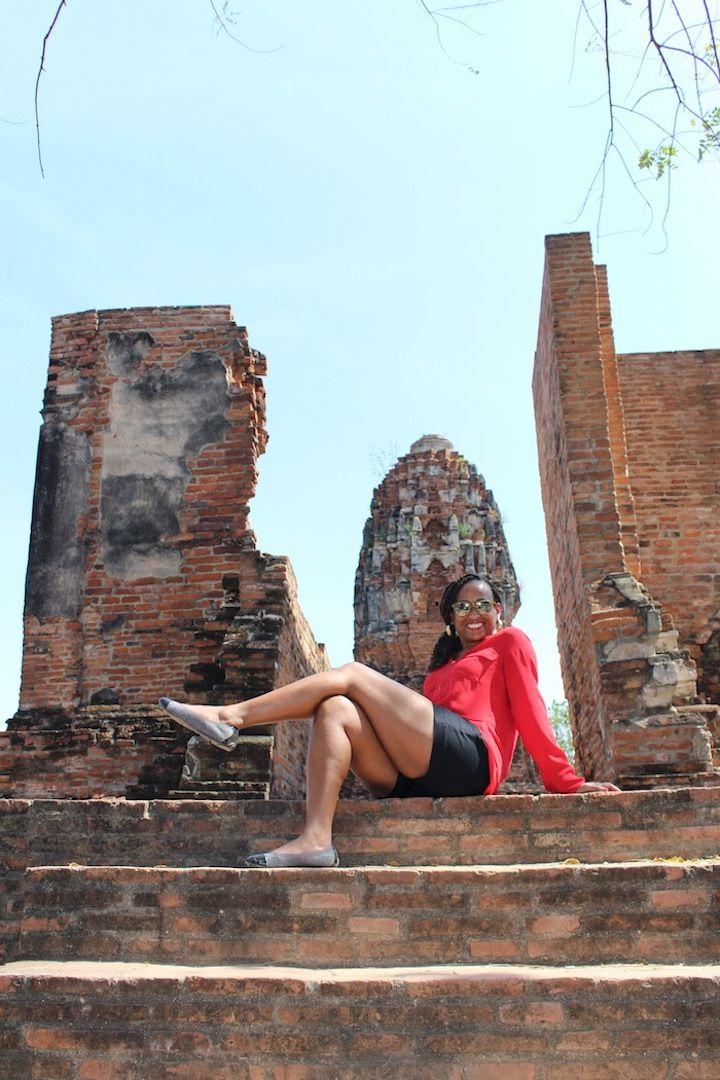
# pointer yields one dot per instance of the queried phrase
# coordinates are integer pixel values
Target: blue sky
(374, 212)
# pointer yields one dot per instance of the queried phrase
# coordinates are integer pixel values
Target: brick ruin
(629, 447)
(432, 519)
(528, 936)
(144, 577)
(143, 574)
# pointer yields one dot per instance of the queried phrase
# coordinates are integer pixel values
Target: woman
(456, 738)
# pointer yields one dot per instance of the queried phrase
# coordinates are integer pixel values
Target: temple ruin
(525, 936)
(629, 450)
(143, 575)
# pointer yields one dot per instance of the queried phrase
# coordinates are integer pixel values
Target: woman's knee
(336, 710)
(354, 674)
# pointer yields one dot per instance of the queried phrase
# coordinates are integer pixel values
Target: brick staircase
(522, 937)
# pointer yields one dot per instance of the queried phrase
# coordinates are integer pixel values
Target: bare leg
(342, 738)
(361, 720)
(401, 718)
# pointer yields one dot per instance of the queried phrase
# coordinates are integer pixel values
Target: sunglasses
(464, 607)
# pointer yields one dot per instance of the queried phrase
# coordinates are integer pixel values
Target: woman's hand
(597, 786)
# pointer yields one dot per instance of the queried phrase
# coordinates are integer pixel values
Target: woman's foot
(207, 721)
(282, 856)
(304, 850)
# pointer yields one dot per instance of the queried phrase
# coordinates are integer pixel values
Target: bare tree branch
(460, 22)
(687, 70)
(223, 25)
(692, 53)
(428, 11)
(61, 5)
(712, 37)
(574, 44)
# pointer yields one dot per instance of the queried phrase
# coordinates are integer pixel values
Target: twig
(438, 35)
(692, 53)
(712, 37)
(460, 22)
(61, 5)
(223, 24)
(574, 44)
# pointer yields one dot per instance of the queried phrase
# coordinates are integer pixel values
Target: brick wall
(626, 673)
(576, 485)
(672, 404)
(153, 420)
(503, 830)
(143, 577)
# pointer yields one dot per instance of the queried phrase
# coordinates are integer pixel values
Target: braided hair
(447, 647)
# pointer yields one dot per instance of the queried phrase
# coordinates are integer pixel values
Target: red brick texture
(560, 948)
(143, 577)
(625, 672)
(503, 830)
(115, 1021)
(671, 407)
(127, 386)
(659, 912)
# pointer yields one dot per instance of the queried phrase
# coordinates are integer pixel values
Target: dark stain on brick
(54, 583)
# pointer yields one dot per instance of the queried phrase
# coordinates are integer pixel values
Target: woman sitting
(456, 738)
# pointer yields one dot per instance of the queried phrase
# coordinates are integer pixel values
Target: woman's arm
(532, 722)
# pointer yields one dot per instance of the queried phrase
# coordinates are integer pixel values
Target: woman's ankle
(232, 715)
(315, 839)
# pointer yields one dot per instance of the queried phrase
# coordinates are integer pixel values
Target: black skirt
(458, 762)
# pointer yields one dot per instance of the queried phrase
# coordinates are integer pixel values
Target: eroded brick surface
(547, 914)
(432, 519)
(143, 576)
(631, 508)
(110, 1021)
(502, 831)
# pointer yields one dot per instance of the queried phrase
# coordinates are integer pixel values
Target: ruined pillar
(631, 684)
(143, 576)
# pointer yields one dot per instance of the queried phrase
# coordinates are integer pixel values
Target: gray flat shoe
(224, 736)
(326, 857)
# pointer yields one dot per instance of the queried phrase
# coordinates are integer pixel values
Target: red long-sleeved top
(494, 686)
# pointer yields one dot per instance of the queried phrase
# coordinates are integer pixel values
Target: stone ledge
(82, 1021)
(209, 976)
(536, 913)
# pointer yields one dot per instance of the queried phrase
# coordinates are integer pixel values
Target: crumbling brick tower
(432, 520)
(629, 449)
(143, 575)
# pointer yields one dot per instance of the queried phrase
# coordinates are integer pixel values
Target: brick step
(119, 1021)
(503, 829)
(221, 785)
(708, 778)
(224, 789)
(664, 912)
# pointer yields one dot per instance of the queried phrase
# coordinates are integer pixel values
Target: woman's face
(476, 625)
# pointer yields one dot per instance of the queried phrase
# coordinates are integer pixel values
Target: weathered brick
(152, 423)
(631, 505)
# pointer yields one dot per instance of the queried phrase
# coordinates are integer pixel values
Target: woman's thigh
(369, 759)
(401, 718)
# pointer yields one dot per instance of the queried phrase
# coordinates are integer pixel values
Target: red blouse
(494, 686)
